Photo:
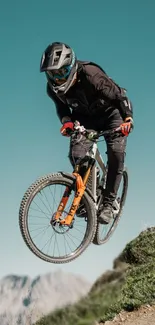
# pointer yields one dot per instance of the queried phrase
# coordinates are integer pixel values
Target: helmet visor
(59, 74)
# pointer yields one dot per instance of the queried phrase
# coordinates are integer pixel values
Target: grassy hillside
(129, 285)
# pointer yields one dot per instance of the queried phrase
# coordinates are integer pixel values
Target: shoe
(106, 215)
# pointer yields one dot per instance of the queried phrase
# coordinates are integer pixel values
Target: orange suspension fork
(63, 203)
(80, 188)
(64, 200)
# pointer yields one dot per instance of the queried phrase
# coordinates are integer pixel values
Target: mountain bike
(70, 203)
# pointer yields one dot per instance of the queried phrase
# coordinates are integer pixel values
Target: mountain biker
(81, 90)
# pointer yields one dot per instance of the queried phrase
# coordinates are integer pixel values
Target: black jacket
(92, 94)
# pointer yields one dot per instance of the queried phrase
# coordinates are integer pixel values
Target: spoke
(78, 230)
(54, 246)
(64, 244)
(30, 215)
(40, 232)
(43, 202)
(37, 224)
(70, 239)
(47, 201)
(39, 228)
(74, 237)
(54, 193)
(47, 242)
(50, 242)
(57, 245)
(77, 223)
(46, 214)
(67, 242)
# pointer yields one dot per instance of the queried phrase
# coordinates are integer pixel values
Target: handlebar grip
(69, 131)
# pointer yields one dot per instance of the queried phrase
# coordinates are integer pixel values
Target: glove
(127, 126)
(67, 128)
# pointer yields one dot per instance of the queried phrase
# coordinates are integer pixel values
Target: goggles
(59, 74)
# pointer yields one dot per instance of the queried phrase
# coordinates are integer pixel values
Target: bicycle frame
(94, 153)
(94, 156)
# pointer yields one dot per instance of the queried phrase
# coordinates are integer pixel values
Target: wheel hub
(59, 227)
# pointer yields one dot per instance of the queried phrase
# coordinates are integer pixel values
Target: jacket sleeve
(113, 93)
(108, 90)
(62, 109)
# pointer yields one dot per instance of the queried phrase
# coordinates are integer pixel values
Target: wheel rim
(54, 241)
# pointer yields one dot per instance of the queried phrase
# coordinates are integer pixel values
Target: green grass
(130, 285)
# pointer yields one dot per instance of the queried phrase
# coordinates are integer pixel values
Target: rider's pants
(116, 146)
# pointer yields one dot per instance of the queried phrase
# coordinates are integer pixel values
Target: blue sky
(119, 35)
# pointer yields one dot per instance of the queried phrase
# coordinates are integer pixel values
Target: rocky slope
(145, 315)
(23, 300)
(130, 285)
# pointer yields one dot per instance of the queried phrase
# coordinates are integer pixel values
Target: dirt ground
(143, 316)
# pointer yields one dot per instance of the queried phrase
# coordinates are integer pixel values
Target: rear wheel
(47, 239)
(104, 232)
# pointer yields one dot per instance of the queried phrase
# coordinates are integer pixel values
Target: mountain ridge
(24, 299)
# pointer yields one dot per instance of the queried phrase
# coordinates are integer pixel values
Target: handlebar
(92, 135)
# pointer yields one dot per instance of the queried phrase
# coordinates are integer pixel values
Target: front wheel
(104, 232)
(50, 241)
